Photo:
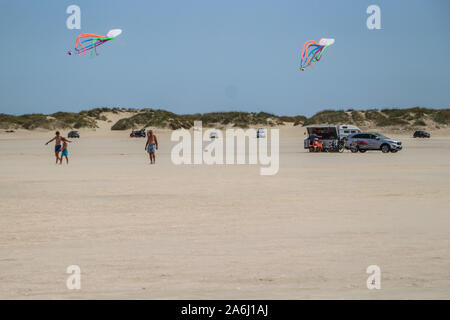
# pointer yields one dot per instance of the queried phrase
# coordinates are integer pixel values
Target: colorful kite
(312, 51)
(92, 41)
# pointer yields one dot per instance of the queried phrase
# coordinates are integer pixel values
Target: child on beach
(58, 139)
(64, 152)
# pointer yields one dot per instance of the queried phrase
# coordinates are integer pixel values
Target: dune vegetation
(142, 118)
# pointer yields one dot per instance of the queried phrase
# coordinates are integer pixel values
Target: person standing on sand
(58, 140)
(151, 146)
(65, 152)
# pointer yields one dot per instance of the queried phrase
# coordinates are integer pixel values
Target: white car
(261, 133)
(213, 135)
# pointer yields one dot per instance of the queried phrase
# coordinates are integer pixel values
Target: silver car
(371, 141)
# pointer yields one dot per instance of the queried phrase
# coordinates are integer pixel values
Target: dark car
(73, 134)
(372, 141)
(138, 134)
(421, 134)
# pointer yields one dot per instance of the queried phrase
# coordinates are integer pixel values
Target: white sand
(210, 232)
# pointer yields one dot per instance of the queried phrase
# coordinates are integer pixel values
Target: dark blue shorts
(58, 148)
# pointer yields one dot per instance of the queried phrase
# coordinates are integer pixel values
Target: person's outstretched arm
(146, 144)
(50, 140)
(156, 142)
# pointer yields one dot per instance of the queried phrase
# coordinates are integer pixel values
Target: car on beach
(214, 135)
(421, 134)
(365, 141)
(73, 134)
(138, 133)
(261, 133)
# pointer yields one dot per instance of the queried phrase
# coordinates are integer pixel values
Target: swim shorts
(65, 152)
(151, 148)
(57, 148)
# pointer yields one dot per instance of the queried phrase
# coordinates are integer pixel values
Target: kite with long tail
(89, 41)
(313, 51)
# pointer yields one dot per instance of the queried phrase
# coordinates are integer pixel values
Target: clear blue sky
(191, 56)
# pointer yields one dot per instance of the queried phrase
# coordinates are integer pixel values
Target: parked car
(421, 134)
(371, 141)
(213, 135)
(73, 134)
(138, 134)
(261, 133)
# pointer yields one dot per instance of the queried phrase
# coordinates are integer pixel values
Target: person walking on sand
(58, 139)
(151, 146)
(64, 152)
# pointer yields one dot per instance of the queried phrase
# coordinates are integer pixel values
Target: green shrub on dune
(329, 117)
(73, 120)
(357, 116)
(141, 118)
(442, 116)
(27, 121)
(420, 123)
(166, 119)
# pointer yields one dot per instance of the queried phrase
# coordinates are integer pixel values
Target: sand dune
(210, 232)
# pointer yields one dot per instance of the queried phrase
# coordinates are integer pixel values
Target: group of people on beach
(61, 146)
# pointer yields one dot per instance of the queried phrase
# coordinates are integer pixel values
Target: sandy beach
(139, 231)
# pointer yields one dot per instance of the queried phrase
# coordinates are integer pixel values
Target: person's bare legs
(152, 157)
(67, 159)
(57, 157)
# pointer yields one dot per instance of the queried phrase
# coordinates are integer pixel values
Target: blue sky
(210, 55)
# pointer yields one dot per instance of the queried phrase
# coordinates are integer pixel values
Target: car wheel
(354, 149)
(385, 148)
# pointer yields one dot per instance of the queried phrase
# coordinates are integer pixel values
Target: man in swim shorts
(58, 139)
(151, 146)
(65, 152)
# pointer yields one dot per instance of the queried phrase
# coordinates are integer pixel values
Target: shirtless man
(58, 140)
(151, 146)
